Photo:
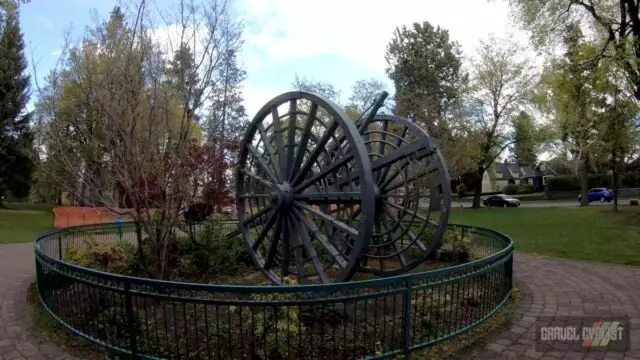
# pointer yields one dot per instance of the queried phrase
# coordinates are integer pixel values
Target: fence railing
(154, 319)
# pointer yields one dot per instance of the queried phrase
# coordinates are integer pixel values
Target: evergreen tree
(226, 122)
(16, 137)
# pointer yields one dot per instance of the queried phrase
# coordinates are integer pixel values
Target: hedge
(573, 183)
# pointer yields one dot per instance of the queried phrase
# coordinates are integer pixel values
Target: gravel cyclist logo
(584, 334)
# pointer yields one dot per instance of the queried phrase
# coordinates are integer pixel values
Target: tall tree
(614, 21)
(225, 125)
(617, 130)
(501, 84)
(363, 93)
(123, 123)
(524, 147)
(571, 88)
(425, 66)
(16, 136)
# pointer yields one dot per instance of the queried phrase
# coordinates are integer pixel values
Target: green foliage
(526, 139)
(425, 66)
(16, 136)
(572, 182)
(113, 325)
(98, 255)
(135, 257)
(275, 324)
(430, 309)
(511, 189)
(211, 252)
(461, 246)
(321, 88)
(549, 20)
(525, 189)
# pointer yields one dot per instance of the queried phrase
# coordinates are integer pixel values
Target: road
(543, 204)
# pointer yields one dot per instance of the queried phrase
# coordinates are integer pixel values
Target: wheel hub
(283, 196)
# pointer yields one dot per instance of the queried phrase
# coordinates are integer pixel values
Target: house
(501, 174)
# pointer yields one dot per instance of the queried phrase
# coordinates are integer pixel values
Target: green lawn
(592, 233)
(22, 222)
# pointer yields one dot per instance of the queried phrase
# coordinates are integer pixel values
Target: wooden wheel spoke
(303, 235)
(316, 152)
(262, 163)
(297, 250)
(415, 150)
(318, 235)
(330, 198)
(267, 145)
(383, 139)
(277, 133)
(326, 172)
(385, 171)
(258, 178)
(273, 246)
(327, 218)
(291, 137)
(254, 196)
(267, 227)
(306, 134)
(286, 243)
(257, 215)
(388, 186)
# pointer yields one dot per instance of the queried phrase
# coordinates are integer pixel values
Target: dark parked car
(501, 200)
(599, 194)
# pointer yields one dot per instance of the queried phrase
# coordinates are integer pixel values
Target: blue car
(598, 194)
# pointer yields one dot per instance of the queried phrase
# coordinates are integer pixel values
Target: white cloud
(360, 30)
(256, 97)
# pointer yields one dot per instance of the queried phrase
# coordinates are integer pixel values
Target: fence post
(406, 317)
(133, 343)
(508, 272)
(59, 246)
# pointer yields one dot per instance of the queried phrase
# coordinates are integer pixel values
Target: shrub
(462, 190)
(634, 202)
(113, 326)
(212, 252)
(198, 212)
(510, 189)
(275, 324)
(461, 246)
(526, 189)
(98, 255)
(135, 263)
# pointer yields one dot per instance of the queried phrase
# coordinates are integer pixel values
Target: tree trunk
(477, 188)
(584, 177)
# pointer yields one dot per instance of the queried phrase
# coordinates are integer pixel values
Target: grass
(22, 222)
(590, 233)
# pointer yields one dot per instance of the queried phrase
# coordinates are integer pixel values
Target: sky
(333, 41)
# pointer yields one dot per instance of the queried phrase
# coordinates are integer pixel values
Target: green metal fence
(153, 319)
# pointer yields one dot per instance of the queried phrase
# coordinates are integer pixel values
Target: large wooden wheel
(296, 200)
(412, 189)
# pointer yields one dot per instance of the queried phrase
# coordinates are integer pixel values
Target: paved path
(559, 288)
(549, 287)
(17, 339)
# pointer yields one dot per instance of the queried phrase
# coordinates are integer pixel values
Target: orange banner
(66, 216)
